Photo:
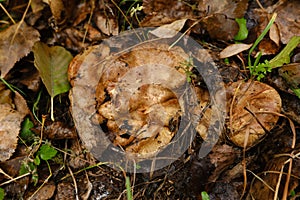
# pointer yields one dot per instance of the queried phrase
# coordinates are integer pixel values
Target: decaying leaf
(287, 21)
(14, 48)
(12, 113)
(291, 74)
(108, 26)
(159, 12)
(220, 23)
(220, 27)
(169, 30)
(52, 63)
(46, 192)
(261, 190)
(232, 9)
(251, 107)
(234, 49)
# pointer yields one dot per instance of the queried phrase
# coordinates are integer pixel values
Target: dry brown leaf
(260, 99)
(12, 113)
(220, 23)
(108, 26)
(234, 49)
(37, 5)
(274, 34)
(261, 190)
(287, 20)
(231, 8)
(220, 27)
(13, 50)
(46, 192)
(159, 12)
(169, 30)
(268, 47)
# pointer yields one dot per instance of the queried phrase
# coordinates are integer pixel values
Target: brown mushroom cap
(260, 99)
(144, 130)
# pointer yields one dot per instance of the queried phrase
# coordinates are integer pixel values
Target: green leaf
(46, 152)
(37, 160)
(297, 92)
(26, 134)
(205, 196)
(243, 31)
(284, 56)
(2, 193)
(52, 63)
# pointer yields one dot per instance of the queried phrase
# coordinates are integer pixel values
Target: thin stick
(7, 13)
(46, 181)
(75, 183)
(278, 183)
(20, 23)
(19, 177)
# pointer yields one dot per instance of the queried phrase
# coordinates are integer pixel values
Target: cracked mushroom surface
(137, 100)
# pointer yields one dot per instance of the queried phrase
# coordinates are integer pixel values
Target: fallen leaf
(52, 63)
(46, 192)
(291, 74)
(261, 190)
(231, 8)
(267, 47)
(108, 26)
(288, 20)
(234, 49)
(260, 99)
(37, 5)
(14, 48)
(222, 157)
(159, 12)
(169, 30)
(220, 27)
(274, 34)
(11, 117)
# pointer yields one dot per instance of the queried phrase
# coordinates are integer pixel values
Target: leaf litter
(220, 174)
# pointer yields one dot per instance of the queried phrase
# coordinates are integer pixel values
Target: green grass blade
(261, 36)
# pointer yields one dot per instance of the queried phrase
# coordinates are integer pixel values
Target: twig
(75, 183)
(21, 21)
(7, 13)
(46, 181)
(19, 177)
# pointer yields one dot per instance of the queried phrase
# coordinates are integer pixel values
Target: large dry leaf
(231, 8)
(159, 12)
(108, 26)
(14, 48)
(261, 99)
(220, 27)
(287, 20)
(12, 113)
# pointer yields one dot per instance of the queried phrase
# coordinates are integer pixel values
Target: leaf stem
(52, 115)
